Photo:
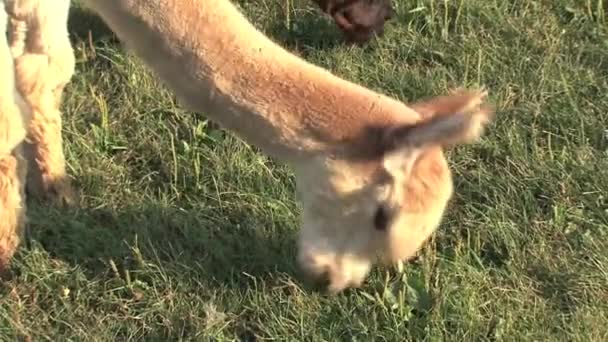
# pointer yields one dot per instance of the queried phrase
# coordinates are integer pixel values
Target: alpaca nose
(313, 280)
(325, 283)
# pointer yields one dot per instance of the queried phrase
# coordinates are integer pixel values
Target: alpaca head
(359, 20)
(383, 207)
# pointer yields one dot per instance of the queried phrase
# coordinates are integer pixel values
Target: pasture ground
(187, 233)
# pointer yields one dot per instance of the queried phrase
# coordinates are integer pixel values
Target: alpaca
(370, 170)
(359, 20)
(13, 117)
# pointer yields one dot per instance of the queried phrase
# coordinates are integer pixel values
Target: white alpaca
(370, 170)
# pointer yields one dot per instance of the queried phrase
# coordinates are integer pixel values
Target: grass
(186, 233)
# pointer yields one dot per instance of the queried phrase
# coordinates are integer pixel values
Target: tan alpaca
(13, 116)
(44, 64)
(371, 174)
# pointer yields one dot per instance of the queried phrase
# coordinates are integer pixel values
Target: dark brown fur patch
(359, 20)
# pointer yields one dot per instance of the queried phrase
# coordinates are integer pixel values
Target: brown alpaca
(371, 174)
(359, 20)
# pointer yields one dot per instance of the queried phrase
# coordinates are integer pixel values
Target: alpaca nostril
(316, 279)
(389, 15)
(324, 280)
(317, 282)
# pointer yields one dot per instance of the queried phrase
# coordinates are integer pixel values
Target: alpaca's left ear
(402, 145)
(457, 101)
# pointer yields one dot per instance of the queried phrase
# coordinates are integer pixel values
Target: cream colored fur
(13, 117)
(353, 150)
(44, 64)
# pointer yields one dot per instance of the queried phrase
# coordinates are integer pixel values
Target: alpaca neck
(219, 64)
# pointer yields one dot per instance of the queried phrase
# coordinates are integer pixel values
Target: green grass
(186, 233)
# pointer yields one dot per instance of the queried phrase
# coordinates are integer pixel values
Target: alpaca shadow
(86, 26)
(556, 288)
(182, 241)
(311, 31)
(216, 251)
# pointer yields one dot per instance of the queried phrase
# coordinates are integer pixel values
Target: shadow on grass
(555, 287)
(309, 31)
(86, 26)
(225, 250)
(183, 242)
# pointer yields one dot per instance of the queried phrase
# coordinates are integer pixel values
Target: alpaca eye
(381, 218)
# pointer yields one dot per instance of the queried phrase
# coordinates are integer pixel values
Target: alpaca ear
(402, 145)
(442, 130)
(458, 100)
(399, 162)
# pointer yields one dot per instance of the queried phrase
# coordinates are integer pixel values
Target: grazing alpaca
(359, 20)
(370, 170)
(13, 117)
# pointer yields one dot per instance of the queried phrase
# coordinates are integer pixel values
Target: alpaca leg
(13, 117)
(44, 65)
